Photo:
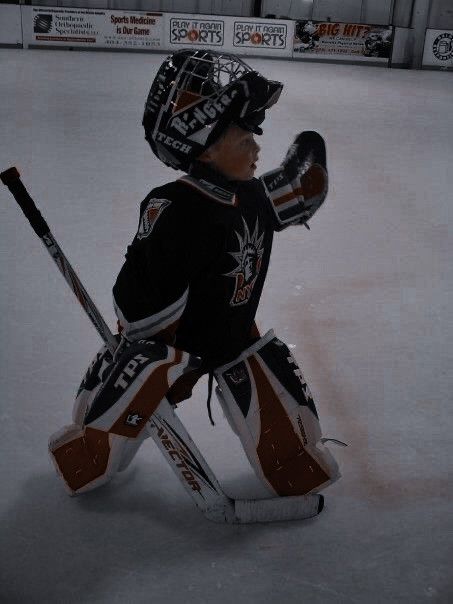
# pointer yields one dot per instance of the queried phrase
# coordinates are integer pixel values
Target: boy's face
(234, 155)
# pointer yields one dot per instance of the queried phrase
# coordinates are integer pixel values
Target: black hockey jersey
(197, 265)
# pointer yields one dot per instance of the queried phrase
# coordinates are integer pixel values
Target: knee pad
(270, 407)
(88, 454)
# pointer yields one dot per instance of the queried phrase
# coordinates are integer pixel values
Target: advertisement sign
(270, 35)
(231, 34)
(81, 27)
(438, 51)
(342, 41)
(201, 31)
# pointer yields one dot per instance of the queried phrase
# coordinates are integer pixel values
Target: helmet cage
(195, 96)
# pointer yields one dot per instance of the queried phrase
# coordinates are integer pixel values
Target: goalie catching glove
(298, 187)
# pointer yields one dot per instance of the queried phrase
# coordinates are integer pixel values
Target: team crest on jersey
(248, 258)
(149, 217)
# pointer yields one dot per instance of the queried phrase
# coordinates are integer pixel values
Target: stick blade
(278, 509)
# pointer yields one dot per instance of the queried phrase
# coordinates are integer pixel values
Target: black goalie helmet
(195, 96)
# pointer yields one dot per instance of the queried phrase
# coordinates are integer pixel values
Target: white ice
(364, 299)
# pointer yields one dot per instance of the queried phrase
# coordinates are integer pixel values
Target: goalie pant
(263, 395)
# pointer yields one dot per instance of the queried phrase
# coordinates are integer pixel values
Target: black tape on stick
(11, 178)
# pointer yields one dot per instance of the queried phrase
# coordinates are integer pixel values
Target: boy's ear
(205, 156)
(208, 155)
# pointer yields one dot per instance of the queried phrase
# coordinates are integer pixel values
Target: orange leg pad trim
(84, 458)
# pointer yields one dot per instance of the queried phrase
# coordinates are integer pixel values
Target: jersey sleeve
(152, 288)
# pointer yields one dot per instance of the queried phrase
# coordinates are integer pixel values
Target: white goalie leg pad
(268, 404)
(88, 455)
(140, 379)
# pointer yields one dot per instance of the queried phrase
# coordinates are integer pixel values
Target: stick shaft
(79, 291)
(11, 179)
(189, 465)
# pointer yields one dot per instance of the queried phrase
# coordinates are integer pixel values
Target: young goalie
(187, 294)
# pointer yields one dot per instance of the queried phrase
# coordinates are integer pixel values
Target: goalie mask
(195, 96)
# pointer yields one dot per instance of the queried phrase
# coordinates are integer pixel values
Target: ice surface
(364, 300)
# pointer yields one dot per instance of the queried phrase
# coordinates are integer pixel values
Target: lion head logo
(248, 260)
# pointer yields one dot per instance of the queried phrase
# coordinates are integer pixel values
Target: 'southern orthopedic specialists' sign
(342, 41)
(80, 27)
(438, 51)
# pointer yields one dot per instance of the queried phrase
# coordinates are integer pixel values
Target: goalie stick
(164, 426)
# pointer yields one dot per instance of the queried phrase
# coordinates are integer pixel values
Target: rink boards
(43, 26)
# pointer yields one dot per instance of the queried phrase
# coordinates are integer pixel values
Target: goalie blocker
(269, 405)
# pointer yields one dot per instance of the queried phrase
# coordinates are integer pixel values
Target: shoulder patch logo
(149, 217)
(248, 259)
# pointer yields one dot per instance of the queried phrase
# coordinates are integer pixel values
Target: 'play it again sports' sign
(269, 35)
(244, 36)
(196, 32)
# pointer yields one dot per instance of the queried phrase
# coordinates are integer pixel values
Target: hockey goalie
(188, 291)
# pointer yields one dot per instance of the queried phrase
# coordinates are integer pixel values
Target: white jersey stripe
(149, 326)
